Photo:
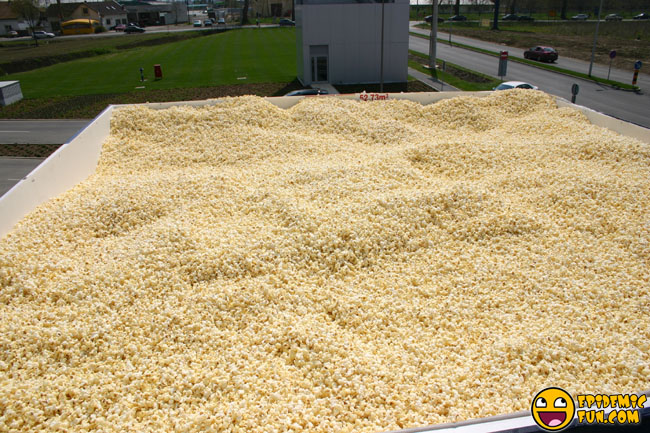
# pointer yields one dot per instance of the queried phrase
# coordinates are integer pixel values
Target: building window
(108, 21)
(85, 11)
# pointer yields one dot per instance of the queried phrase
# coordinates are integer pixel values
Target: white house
(339, 41)
(9, 20)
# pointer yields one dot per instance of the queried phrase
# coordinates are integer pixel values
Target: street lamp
(593, 49)
(381, 61)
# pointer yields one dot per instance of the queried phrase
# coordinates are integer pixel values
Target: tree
(27, 10)
(244, 13)
(457, 8)
(495, 23)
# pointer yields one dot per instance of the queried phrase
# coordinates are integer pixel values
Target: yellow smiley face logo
(553, 409)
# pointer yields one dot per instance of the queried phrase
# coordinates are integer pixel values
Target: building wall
(84, 12)
(112, 20)
(8, 25)
(352, 32)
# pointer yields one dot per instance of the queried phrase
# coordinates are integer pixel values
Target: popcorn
(337, 266)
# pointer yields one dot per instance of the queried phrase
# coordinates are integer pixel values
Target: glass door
(319, 69)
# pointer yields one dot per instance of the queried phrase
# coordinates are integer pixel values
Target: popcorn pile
(337, 266)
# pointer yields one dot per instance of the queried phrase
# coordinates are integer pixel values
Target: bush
(100, 29)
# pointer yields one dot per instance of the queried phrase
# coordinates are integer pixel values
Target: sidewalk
(438, 85)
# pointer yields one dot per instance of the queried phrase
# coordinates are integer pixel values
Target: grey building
(339, 41)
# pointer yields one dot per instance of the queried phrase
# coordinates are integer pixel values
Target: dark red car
(543, 54)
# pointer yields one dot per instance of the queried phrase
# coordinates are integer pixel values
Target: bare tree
(457, 8)
(27, 10)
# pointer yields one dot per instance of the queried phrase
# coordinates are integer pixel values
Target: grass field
(243, 56)
(12, 51)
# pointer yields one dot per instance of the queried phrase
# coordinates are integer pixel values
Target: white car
(39, 34)
(515, 85)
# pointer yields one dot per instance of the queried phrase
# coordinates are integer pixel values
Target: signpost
(503, 64)
(637, 66)
(574, 92)
(612, 54)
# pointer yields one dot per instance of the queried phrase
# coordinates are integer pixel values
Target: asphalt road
(598, 70)
(39, 131)
(14, 169)
(625, 105)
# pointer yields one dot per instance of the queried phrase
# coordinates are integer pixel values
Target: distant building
(270, 8)
(338, 41)
(149, 13)
(107, 13)
(9, 20)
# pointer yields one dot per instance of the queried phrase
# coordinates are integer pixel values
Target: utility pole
(593, 49)
(433, 37)
(381, 61)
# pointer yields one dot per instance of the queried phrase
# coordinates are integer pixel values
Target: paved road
(624, 105)
(39, 131)
(14, 169)
(598, 70)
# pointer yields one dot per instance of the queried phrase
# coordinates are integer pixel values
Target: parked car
(286, 22)
(133, 29)
(198, 23)
(303, 92)
(543, 54)
(642, 16)
(40, 34)
(515, 85)
(580, 17)
(221, 21)
(12, 34)
(429, 18)
(207, 23)
(510, 17)
(458, 18)
(526, 18)
(613, 17)
(118, 27)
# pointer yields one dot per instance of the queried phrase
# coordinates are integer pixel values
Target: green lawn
(243, 56)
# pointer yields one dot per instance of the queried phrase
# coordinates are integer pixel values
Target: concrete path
(326, 86)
